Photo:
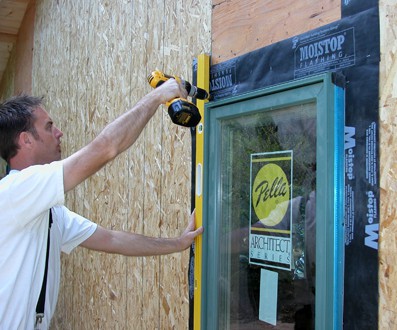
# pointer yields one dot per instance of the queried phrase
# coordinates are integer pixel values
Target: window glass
(288, 131)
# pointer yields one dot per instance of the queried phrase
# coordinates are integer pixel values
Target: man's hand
(190, 233)
(170, 90)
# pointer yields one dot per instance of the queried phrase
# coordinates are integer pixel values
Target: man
(37, 182)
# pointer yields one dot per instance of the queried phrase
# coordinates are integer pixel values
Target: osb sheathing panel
(239, 27)
(8, 79)
(388, 166)
(91, 60)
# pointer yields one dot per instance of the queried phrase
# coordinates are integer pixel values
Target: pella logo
(270, 194)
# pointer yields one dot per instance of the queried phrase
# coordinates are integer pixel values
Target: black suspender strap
(41, 301)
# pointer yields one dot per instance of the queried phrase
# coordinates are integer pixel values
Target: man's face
(48, 142)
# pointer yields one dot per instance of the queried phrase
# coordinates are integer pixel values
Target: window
(273, 208)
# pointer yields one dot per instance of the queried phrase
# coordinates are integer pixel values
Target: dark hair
(16, 116)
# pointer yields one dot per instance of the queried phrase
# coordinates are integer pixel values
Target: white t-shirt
(25, 199)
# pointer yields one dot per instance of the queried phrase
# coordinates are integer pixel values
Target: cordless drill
(181, 111)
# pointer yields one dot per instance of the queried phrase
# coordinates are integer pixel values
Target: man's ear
(25, 140)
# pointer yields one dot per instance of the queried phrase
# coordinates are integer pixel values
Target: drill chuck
(195, 92)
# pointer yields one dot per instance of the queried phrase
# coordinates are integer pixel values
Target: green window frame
(328, 97)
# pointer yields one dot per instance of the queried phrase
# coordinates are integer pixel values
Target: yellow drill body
(181, 111)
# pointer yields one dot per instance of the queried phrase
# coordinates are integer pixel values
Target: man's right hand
(169, 90)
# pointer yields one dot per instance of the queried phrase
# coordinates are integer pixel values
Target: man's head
(27, 134)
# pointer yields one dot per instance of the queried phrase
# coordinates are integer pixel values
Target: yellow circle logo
(270, 194)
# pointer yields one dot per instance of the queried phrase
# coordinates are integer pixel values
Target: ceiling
(11, 16)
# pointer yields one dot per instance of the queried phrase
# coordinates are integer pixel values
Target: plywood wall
(7, 81)
(91, 60)
(24, 51)
(239, 27)
(388, 166)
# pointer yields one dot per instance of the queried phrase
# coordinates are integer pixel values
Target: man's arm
(117, 136)
(131, 244)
